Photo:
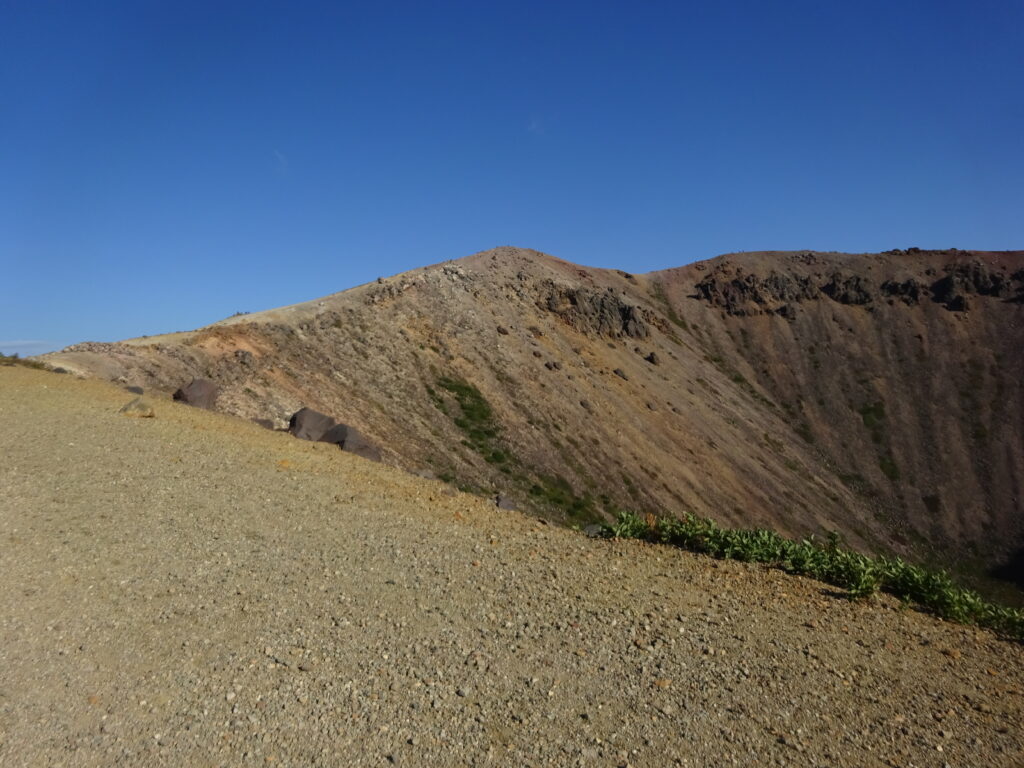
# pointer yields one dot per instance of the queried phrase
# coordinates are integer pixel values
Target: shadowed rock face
(879, 395)
(600, 313)
(747, 294)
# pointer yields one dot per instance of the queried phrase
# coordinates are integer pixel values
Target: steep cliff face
(903, 370)
(878, 395)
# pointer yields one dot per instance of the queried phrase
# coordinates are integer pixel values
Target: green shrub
(830, 562)
(889, 468)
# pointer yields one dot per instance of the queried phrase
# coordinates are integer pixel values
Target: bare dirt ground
(193, 590)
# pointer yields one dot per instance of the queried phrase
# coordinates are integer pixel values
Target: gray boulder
(351, 440)
(201, 393)
(307, 424)
(504, 502)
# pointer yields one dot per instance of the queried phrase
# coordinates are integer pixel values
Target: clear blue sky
(165, 164)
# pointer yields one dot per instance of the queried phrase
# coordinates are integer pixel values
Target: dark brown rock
(848, 289)
(593, 312)
(909, 291)
(307, 424)
(746, 294)
(351, 440)
(201, 393)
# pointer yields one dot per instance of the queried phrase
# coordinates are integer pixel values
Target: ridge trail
(192, 589)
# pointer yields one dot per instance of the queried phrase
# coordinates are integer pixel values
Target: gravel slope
(193, 590)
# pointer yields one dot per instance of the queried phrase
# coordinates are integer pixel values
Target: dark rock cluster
(307, 424)
(747, 294)
(847, 289)
(592, 312)
(909, 291)
(974, 278)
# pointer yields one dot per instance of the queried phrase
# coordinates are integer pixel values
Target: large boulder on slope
(202, 393)
(351, 440)
(307, 424)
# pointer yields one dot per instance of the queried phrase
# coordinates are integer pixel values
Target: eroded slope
(877, 395)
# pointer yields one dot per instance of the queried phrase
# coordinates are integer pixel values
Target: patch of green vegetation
(861, 575)
(476, 418)
(558, 493)
(873, 415)
(803, 429)
(659, 293)
(888, 466)
(497, 456)
(851, 479)
(15, 360)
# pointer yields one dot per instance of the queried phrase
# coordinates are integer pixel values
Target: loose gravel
(190, 589)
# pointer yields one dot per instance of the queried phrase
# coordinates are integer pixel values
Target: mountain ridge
(874, 394)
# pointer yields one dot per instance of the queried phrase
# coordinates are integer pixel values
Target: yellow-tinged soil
(193, 590)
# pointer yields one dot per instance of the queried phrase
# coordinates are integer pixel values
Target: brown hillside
(879, 395)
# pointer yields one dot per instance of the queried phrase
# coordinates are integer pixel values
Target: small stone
(138, 408)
